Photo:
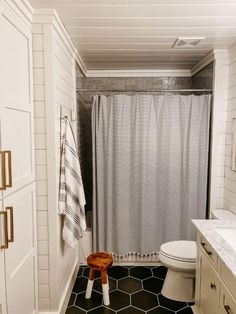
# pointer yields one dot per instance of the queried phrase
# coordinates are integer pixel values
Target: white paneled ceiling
(139, 34)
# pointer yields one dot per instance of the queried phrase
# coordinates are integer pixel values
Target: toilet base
(179, 286)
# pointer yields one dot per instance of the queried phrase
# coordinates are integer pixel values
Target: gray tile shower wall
(204, 78)
(84, 102)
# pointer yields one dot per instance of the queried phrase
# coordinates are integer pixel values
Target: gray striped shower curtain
(150, 165)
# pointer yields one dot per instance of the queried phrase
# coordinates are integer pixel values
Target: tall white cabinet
(18, 288)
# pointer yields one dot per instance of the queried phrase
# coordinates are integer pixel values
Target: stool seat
(100, 261)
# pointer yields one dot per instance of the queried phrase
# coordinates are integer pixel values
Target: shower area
(144, 151)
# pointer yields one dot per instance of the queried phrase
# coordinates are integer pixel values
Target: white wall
(230, 176)
(54, 92)
(219, 126)
(219, 129)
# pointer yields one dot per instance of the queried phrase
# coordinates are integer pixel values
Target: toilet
(180, 259)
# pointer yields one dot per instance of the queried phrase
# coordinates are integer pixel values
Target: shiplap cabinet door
(16, 108)
(20, 256)
(16, 136)
(209, 287)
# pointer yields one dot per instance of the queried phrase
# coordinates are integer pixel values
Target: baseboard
(47, 312)
(70, 284)
(67, 291)
(195, 309)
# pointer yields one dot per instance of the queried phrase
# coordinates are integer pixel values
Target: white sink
(229, 235)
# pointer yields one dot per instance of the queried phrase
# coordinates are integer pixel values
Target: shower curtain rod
(144, 91)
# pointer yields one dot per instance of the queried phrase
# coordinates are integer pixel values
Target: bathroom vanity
(216, 267)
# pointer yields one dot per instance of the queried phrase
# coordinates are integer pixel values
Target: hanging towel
(71, 192)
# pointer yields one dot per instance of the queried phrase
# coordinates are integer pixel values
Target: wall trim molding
(69, 287)
(67, 291)
(20, 10)
(203, 62)
(50, 16)
(24, 8)
(137, 73)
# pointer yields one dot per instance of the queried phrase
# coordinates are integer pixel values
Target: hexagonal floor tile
(160, 272)
(74, 310)
(88, 304)
(171, 304)
(97, 285)
(86, 273)
(144, 300)
(140, 272)
(80, 272)
(118, 300)
(72, 299)
(102, 310)
(160, 310)
(129, 285)
(80, 285)
(187, 310)
(118, 272)
(130, 310)
(153, 284)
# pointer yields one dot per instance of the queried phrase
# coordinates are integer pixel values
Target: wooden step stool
(100, 261)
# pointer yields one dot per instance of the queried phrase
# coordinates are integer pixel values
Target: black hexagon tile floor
(133, 290)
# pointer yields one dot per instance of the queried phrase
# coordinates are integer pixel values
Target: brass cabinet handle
(11, 239)
(228, 309)
(5, 230)
(206, 250)
(3, 169)
(8, 153)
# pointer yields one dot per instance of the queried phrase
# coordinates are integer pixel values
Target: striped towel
(71, 192)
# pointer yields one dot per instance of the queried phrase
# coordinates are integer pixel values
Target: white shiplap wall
(41, 165)
(230, 176)
(219, 129)
(54, 92)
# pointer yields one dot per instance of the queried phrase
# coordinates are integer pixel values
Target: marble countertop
(208, 229)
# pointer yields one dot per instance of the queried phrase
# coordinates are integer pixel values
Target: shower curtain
(150, 165)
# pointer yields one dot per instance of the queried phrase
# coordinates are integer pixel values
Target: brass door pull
(5, 230)
(228, 309)
(3, 170)
(205, 249)
(8, 153)
(10, 209)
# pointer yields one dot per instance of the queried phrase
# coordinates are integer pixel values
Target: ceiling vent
(187, 42)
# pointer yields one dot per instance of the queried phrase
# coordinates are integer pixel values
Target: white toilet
(180, 259)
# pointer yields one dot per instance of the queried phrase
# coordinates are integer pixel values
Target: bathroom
(147, 90)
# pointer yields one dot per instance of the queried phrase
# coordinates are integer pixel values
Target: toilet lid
(180, 250)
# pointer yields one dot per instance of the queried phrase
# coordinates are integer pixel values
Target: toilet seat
(179, 254)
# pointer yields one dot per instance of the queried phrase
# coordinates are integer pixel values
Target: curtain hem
(134, 256)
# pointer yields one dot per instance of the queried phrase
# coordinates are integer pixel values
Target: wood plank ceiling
(139, 34)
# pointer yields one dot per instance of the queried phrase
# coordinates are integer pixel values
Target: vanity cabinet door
(209, 287)
(227, 303)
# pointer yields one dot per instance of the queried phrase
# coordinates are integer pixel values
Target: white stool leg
(90, 284)
(105, 292)
(89, 289)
